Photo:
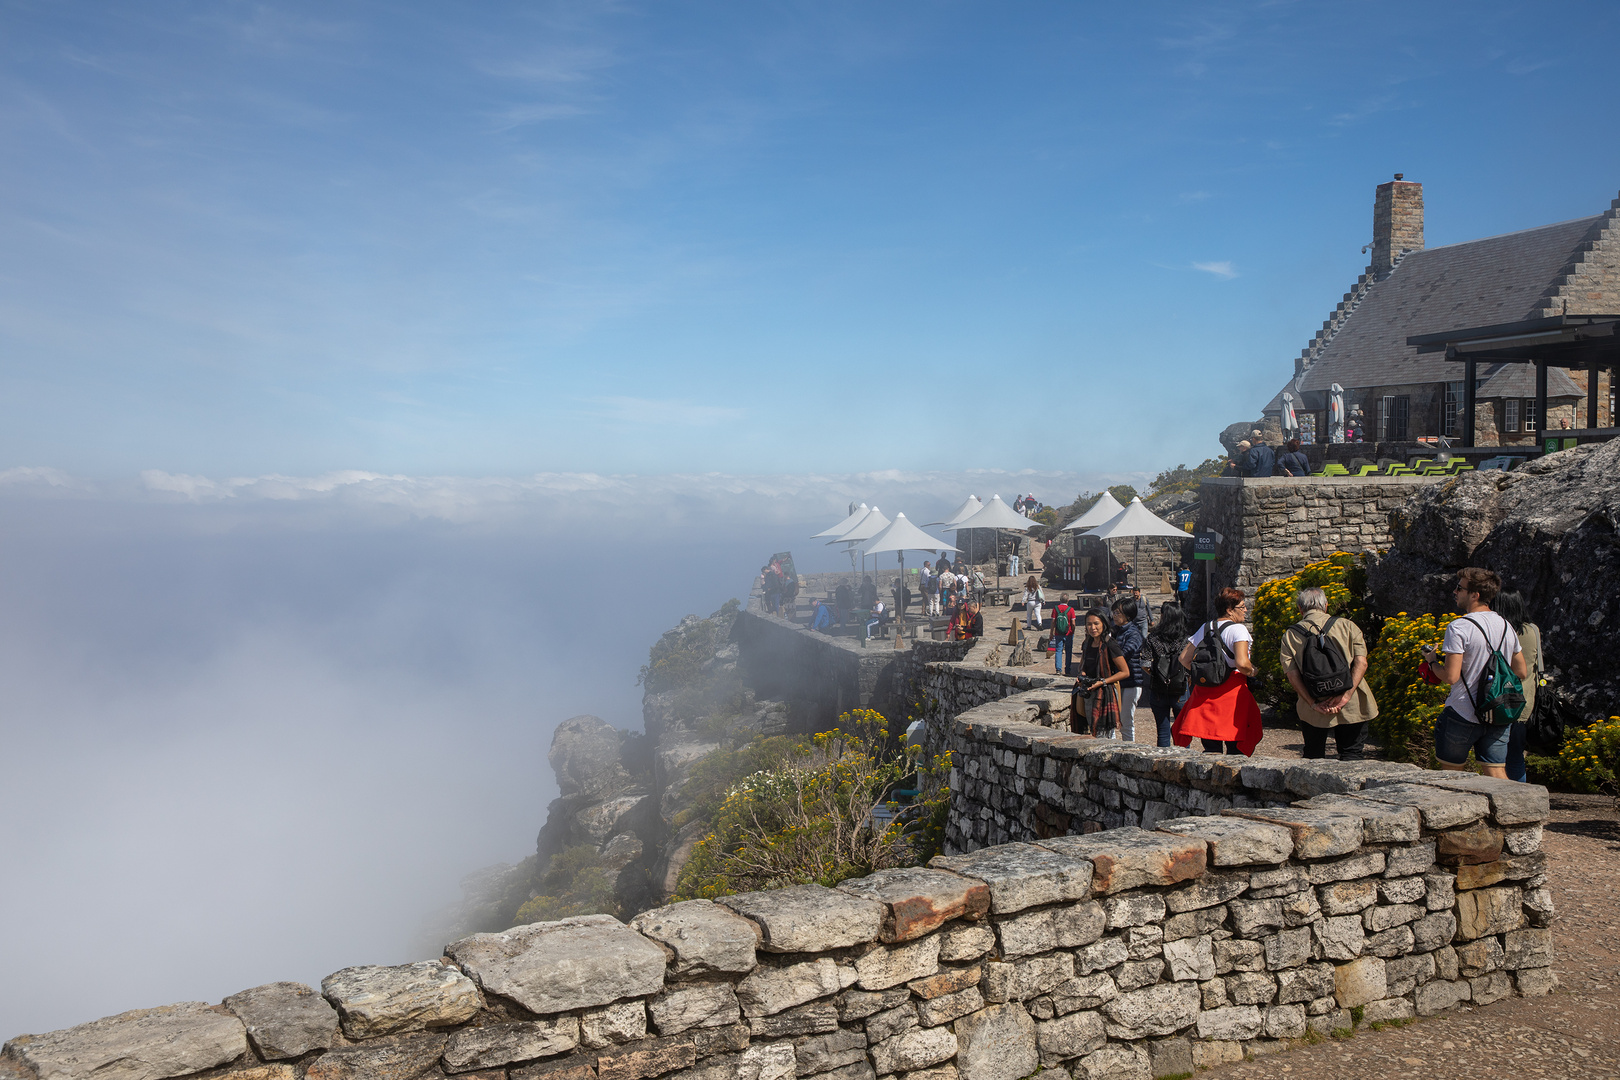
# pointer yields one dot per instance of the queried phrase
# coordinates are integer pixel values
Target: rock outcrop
(1549, 528)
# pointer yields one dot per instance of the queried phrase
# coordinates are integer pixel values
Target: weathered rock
(374, 1001)
(769, 990)
(1070, 1036)
(1207, 891)
(1250, 988)
(1348, 897)
(767, 1061)
(1033, 975)
(1079, 924)
(970, 942)
(1191, 958)
(1523, 840)
(1317, 833)
(402, 1057)
(1440, 890)
(1102, 955)
(1488, 911)
(1130, 857)
(1512, 803)
(1381, 823)
(809, 918)
(1405, 973)
(1437, 995)
(1476, 958)
(1441, 809)
(1361, 864)
(1157, 1010)
(1139, 909)
(1022, 875)
(1528, 949)
(892, 1022)
(501, 1044)
(1534, 982)
(817, 1016)
(949, 981)
(1485, 989)
(996, 1043)
(1308, 983)
(917, 1049)
(1507, 868)
(1407, 890)
(822, 1053)
(920, 900)
(1236, 954)
(1135, 974)
(1359, 981)
(143, 1044)
(1287, 948)
(1475, 842)
(584, 755)
(721, 1040)
(559, 966)
(284, 1019)
(575, 1067)
(1086, 992)
(1251, 918)
(1232, 1022)
(694, 1006)
(1170, 1057)
(1384, 916)
(1283, 881)
(1341, 937)
(890, 965)
(1285, 1022)
(1235, 841)
(942, 1010)
(1115, 1062)
(1390, 943)
(703, 935)
(1194, 923)
(652, 1057)
(1027, 933)
(1309, 779)
(1301, 909)
(612, 1024)
(859, 1004)
(1403, 860)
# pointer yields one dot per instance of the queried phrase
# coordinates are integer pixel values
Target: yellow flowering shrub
(1407, 706)
(1341, 575)
(1590, 758)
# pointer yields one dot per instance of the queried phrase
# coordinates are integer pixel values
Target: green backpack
(1498, 694)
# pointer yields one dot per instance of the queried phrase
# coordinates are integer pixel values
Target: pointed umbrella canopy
(996, 515)
(968, 508)
(869, 526)
(900, 537)
(1101, 510)
(1136, 520)
(843, 526)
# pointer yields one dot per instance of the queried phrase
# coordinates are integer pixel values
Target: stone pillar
(1397, 223)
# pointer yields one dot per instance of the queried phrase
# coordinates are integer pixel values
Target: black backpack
(1323, 667)
(1212, 662)
(1168, 674)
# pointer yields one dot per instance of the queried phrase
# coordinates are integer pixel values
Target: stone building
(1572, 267)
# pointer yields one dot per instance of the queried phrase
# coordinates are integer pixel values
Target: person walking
(1294, 462)
(1510, 605)
(1224, 718)
(1063, 620)
(1346, 714)
(1094, 707)
(1128, 639)
(1032, 604)
(1262, 458)
(930, 588)
(978, 585)
(1161, 656)
(1141, 611)
(1468, 646)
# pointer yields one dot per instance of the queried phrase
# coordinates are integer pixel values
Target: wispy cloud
(1192, 196)
(1222, 269)
(1525, 67)
(661, 412)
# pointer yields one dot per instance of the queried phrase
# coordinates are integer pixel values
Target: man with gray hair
(1345, 713)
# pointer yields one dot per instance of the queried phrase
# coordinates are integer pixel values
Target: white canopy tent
(843, 526)
(970, 506)
(1135, 520)
(1101, 510)
(869, 526)
(900, 537)
(996, 515)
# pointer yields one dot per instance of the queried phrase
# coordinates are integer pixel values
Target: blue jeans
(1063, 654)
(1454, 737)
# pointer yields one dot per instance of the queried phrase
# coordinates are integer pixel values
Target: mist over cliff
(258, 729)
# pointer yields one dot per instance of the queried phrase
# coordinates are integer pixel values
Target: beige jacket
(1361, 705)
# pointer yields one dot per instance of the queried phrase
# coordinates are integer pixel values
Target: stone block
(1191, 958)
(809, 918)
(1389, 1008)
(769, 990)
(1231, 1022)
(949, 981)
(1135, 974)
(1283, 881)
(996, 1043)
(767, 1061)
(1527, 949)
(1142, 942)
(1027, 933)
(1070, 1036)
(703, 936)
(1396, 941)
(401, 1057)
(1252, 918)
(1473, 843)
(376, 1001)
(1534, 982)
(1404, 860)
(1235, 954)
(1212, 993)
(1234, 841)
(1210, 1055)
(1440, 808)
(1115, 1062)
(1079, 924)
(1438, 995)
(919, 900)
(284, 1019)
(959, 943)
(1360, 981)
(1128, 858)
(1250, 988)
(1479, 957)
(1102, 955)
(143, 1044)
(859, 1004)
(612, 1024)
(1327, 1023)
(1511, 803)
(1381, 822)
(892, 1022)
(1507, 868)
(1361, 864)
(582, 1067)
(1137, 909)
(1170, 1057)
(1350, 897)
(1445, 963)
(1341, 937)
(1407, 890)
(1481, 912)
(1523, 840)
(1405, 973)
(1440, 890)
(559, 966)
(1285, 1022)
(1311, 779)
(1485, 989)
(1301, 909)
(1206, 892)
(698, 1005)
(816, 1054)
(884, 966)
(1317, 834)
(494, 1045)
(1384, 916)
(1157, 1010)
(1084, 992)
(1032, 975)
(1194, 923)
(817, 1016)
(1307, 983)
(942, 1010)
(1022, 876)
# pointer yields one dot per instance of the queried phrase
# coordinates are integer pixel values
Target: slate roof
(1519, 380)
(1478, 283)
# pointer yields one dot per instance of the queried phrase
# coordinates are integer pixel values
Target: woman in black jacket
(1166, 639)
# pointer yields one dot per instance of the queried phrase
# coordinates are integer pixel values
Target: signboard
(1204, 544)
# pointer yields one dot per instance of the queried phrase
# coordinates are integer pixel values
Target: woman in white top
(1225, 717)
(1032, 604)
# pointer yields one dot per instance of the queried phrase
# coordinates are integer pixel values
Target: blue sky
(498, 239)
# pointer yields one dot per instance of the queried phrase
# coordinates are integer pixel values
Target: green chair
(1333, 468)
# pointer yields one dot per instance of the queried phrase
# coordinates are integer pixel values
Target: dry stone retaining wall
(1122, 953)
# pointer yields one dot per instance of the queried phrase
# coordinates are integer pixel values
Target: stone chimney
(1397, 223)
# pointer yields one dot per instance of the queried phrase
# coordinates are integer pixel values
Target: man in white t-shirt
(1468, 645)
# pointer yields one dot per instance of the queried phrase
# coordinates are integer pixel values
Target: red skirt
(1226, 712)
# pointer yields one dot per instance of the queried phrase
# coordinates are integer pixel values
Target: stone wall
(1274, 526)
(819, 675)
(1123, 953)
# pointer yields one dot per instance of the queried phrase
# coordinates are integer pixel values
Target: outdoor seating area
(1417, 466)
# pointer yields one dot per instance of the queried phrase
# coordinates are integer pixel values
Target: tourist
(1033, 599)
(1094, 703)
(1294, 462)
(770, 587)
(1094, 577)
(978, 585)
(877, 619)
(947, 585)
(1018, 505)
(902, 596)
(820, 616)
(1141, 611)
(929, 581)
(844, 601)
(1510, 605)
(1063, 620)
(1224, 718)
(1238, 463)
(1128, 638)
(1161, 657)
(1262, 458)
(969, 622)
(1346, 714)
(1468, 645)
(868, 592)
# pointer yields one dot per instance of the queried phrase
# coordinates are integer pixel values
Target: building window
(1393, 412)
(1453, 412)
(1530, 416)
(1510, 414)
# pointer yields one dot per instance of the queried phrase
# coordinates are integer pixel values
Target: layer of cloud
(1222, 269)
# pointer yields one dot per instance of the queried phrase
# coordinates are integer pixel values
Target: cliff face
(1549, 528)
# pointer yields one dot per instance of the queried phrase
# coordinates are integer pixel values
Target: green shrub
(676, 659)
(1407, 706)
(1590, 759)
(575, 883)
(1342, 576)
